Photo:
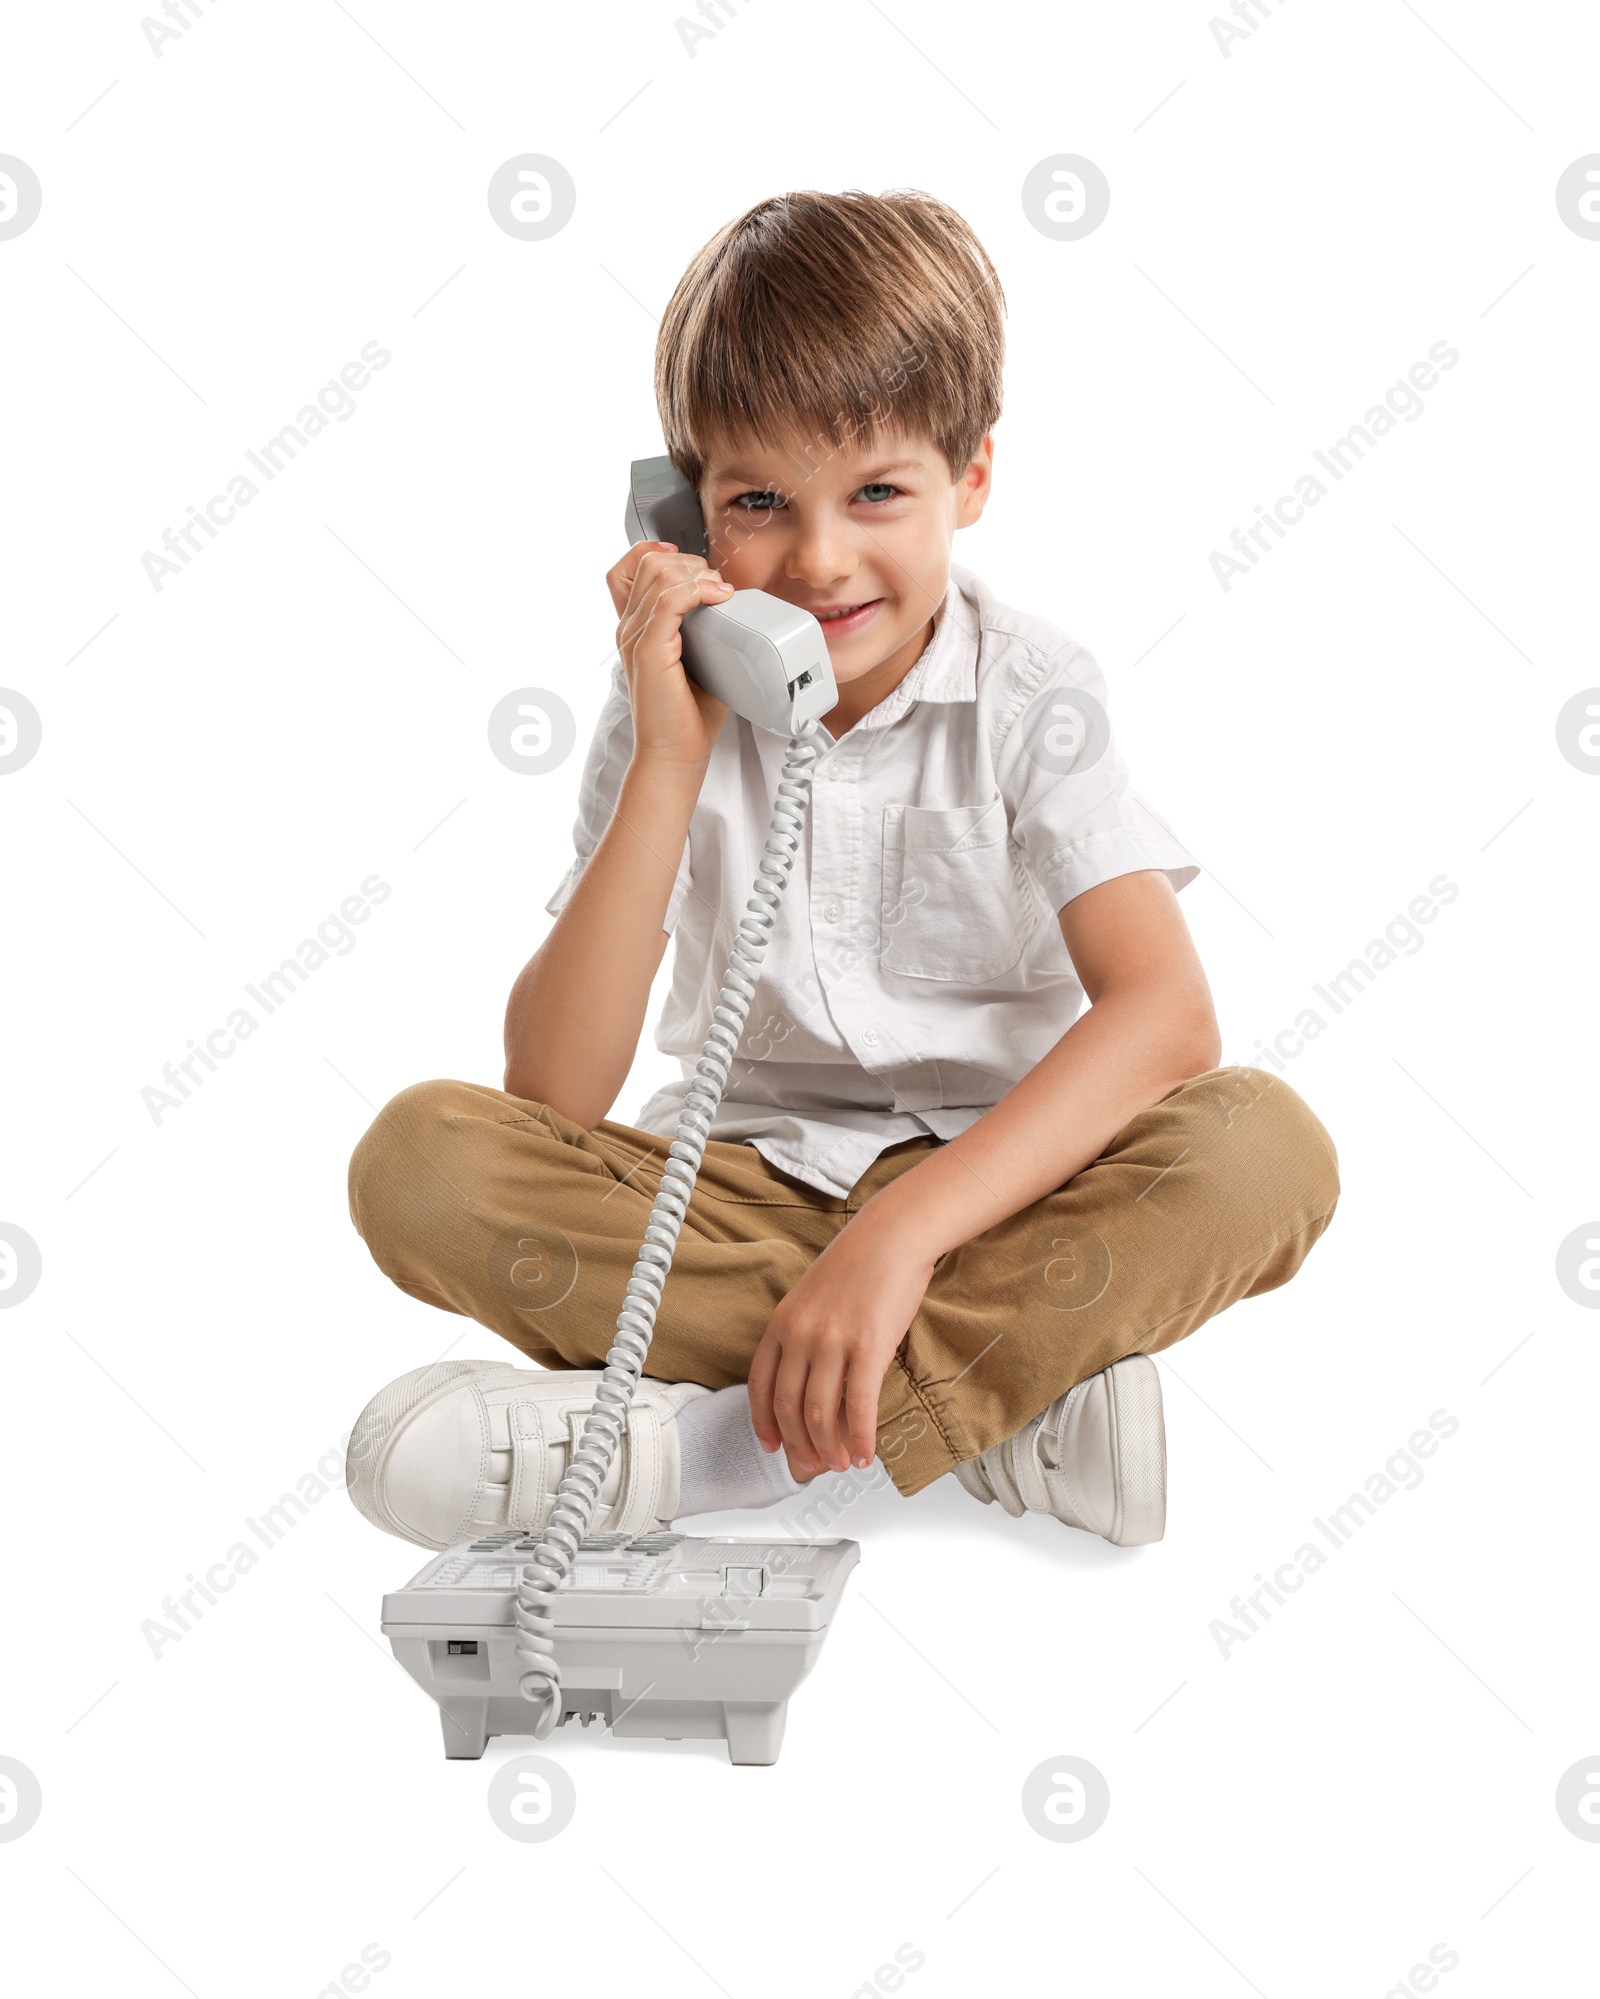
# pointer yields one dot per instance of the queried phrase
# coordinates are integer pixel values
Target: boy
(942, 1219)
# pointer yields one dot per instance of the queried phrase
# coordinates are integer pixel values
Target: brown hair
(824, 315)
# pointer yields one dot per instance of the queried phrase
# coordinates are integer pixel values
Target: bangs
(829, 319)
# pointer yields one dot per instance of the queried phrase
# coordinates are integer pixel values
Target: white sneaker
(450, 1452)
(1096, 1458)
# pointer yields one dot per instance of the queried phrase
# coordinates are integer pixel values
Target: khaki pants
(506, 1211)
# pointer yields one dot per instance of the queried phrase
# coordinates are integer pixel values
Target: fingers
(763, 1373)
(666, 587)
(788, 1405)
(861, 1415)
(619, 577)
(661, 613)
(824, 1390)
(816, 1396)
(649, 568)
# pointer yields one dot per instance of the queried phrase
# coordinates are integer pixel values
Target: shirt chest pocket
(956, 901)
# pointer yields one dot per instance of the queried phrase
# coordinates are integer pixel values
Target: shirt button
(831, 912)
(871, 1037)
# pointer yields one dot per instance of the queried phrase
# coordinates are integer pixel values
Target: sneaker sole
(1138, 1452)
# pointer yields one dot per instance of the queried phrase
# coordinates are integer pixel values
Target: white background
(1292, 226)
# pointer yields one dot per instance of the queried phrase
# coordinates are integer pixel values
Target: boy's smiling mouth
(840, 620)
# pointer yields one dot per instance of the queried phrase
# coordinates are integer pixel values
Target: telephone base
(753, 1732)
(658, 1635)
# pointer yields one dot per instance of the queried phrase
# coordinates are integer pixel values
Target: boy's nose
(820, 557)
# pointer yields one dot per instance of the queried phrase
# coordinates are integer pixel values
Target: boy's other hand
(830, 1343)
(654, 584)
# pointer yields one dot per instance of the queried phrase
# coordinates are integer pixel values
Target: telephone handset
(766, 659)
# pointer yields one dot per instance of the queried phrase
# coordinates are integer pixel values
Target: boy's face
(864, 530)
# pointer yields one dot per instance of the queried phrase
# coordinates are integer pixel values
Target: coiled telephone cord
(579, 1491)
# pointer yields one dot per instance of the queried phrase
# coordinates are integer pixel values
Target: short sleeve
(1069, 802)
(604, 767)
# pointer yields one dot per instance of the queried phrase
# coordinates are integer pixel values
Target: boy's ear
(976, 483)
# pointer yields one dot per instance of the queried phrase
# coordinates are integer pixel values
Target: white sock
(721, 1463)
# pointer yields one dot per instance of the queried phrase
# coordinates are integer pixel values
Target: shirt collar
(948, 667)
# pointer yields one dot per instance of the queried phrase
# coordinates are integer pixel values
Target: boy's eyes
(876, 493)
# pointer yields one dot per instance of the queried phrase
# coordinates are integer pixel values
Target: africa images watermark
(181, 14)
(1401, 937)
(1249, 14)
(183, 1609)
(333, 1471)
(335, 403)
(1402, 401)
(714, 17)
(273, 990)
(1400, 1473)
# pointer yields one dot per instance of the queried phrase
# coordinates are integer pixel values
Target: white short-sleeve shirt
(916, 971)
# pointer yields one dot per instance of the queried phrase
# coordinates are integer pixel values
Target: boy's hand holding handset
(674, 721)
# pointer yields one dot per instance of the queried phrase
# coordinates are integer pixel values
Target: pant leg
(1215, 1193)
(504, 1210)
